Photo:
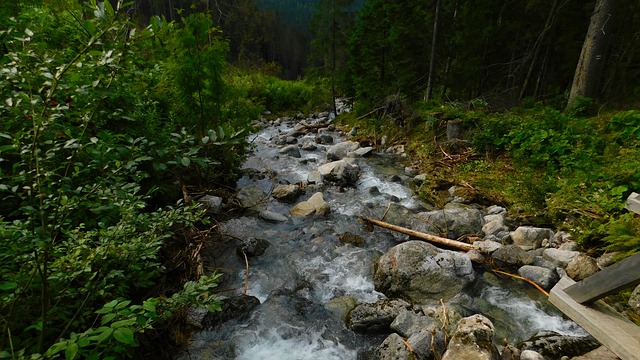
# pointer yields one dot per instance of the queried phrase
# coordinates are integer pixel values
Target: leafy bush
(75, 228)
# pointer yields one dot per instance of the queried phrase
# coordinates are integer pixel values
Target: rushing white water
(272, 345)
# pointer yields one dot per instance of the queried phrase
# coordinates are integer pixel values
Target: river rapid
(306, 266)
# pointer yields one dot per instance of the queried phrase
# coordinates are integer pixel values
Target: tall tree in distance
(331, 26)
(588, 75)
(434, 39)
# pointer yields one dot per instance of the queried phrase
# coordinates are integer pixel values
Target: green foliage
(77, 159)
(623, 235)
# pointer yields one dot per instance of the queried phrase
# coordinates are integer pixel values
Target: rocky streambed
(322, 284)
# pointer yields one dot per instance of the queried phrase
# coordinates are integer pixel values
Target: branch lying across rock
(423, 236)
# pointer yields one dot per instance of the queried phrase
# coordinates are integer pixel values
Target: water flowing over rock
(473, 340)
(340, 172)
(422, 273)
(454, 221)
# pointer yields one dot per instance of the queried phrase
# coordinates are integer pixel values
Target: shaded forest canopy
(501, 51)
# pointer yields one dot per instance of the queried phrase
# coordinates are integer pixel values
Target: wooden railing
(580, 301)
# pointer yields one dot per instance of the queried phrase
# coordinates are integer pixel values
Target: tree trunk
(434, 40)
(588, 75)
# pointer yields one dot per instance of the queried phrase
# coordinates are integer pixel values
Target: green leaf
(186, 161)
(104, 335)
(107, 318)
(71, 351)
(122, 323)
(124, 335)
(6, 286)
(149, 306)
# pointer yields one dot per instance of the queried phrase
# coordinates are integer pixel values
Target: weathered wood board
(621, 275)
(618, 334)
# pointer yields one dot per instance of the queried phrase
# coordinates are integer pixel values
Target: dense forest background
(115, 115)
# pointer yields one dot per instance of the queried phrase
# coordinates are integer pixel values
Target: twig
(524, 279)
(407, 345)
(444, 314)
(246, 278)
(386, 211)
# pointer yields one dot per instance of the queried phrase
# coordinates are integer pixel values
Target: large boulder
(409, 322)
(423, 345)
(453, 221)
(422, 273)
(473, 340)
(341, 172)
(340, 150)
(554, 346)
(314, 206)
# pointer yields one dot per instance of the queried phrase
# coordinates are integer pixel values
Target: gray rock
(544, 277)
(493, 227)
(569, 245)
(530, 237)
(340, 150)
(314, 177)
(608, 259)
(428, 345)
(292, 139)
(213, 204)
(252, 247)
(340, 172)
(454, 221)
(324, 139)
(194, 317)
(393, 348)
(272, 216)
(560, 238)
(309, 145)
(421, 273)
(487, 246)
(314, 206)
(351, 238)
(250, 196)
(542, 262)
(410, 322)
(582, 266)
(563, 257)
(287, 193)
(341, 306)
(396, 149)
(511, 256)
(375, 317)
(291, 150)
(634, 299)
(399, 215)
(495, 210)
(476, 256)
(473, 340)
(531, 355)
(554, 346)
(419, 179)
(361, 152)
(410, 171)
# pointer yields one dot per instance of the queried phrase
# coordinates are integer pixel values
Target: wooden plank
(618, 334)
(633, 203)
(612, 279)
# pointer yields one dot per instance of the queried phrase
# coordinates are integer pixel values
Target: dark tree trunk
(588, 75)
(434, 40)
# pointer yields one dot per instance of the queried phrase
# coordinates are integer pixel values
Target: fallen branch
(423, 236)
(246, 278)
(523, 279)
